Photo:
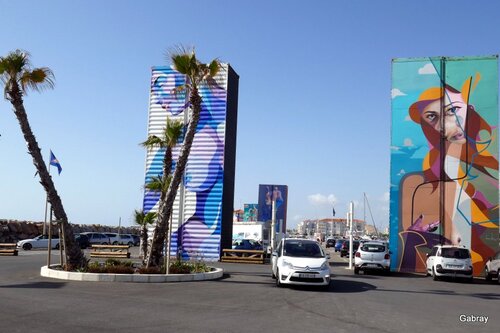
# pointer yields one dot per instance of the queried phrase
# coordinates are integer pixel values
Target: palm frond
(153, 141)
(173, 131)
(38, 79)
(149, 218)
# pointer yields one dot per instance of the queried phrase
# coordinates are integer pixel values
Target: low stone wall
(12, 231)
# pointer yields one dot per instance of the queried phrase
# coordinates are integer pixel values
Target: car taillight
(358, 255)
(387, 256)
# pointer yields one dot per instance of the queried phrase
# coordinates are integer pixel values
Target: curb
(139, 278)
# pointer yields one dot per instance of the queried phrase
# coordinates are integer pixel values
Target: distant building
(329, 227)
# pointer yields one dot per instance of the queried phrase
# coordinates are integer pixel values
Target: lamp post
(350, 214)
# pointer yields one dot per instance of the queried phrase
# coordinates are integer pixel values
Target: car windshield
(455, 253)
(373, 248)
(302, 249)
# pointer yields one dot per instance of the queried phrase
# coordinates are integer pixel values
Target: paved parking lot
(244, 300)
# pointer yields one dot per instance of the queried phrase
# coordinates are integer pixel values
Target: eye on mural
(444, 158)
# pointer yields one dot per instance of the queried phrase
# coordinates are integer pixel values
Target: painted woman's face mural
(444, 160)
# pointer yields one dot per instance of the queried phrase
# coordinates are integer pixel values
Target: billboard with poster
(268, 193)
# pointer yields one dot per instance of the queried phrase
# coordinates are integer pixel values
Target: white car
(301, 262)
(492, 268)
(372, 255)
(451, 261)
(39, 242)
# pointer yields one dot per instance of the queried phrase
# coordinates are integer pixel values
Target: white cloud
(385, 197)
(298, 218)
(401, 172)
(396, 92)
(321, 200)
(427, 69)
(407, 142)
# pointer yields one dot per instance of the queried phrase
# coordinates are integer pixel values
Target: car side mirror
(275, 254)
(327, 256)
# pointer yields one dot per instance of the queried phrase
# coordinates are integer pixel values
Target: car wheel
(470, 280)
(487, 274)
(27, 246)
(130, 244)
(498, 276)
(104, 243)
(356, 270)
(278, 282)
(115, 243)
(434, 276)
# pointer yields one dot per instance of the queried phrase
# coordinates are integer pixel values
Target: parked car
(113, 237)
(344, 250)
(330, 242)
(247, 244)
(97, 238)
(338, 244)
(137, 240)
(449, 260)
(39, 242)
(82, 240)
(124, 239)
(300, 261)
(492, 268)
(372, 256)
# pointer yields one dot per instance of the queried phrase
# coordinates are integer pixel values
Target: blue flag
(55, 162)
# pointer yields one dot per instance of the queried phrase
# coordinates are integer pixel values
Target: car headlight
(324, 266)
(287, 264)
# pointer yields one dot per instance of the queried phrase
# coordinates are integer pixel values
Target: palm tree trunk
(144, 241)
(75, 257)
(161, 229)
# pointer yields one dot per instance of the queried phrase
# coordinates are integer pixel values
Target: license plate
(372, 265)
(455, 266)
(307, 276)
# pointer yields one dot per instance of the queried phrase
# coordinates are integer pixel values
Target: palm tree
(171, 134)
(185, 62)
(18, 77)
(144, 220)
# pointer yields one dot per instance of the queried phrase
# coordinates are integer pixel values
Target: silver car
(372, 256)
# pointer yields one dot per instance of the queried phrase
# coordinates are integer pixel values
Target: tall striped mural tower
(203, 208)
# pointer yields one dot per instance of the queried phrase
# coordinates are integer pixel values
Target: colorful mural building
(444, 159)
(203, 209)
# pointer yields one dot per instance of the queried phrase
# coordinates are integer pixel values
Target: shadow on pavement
(37, 285)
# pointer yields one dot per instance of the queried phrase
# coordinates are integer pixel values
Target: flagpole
(46, 209)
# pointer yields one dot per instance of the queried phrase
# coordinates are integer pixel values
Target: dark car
(137, 240)
(82, 240)
(330, 242)
(246, 244)
(338, 244)
(344, 250)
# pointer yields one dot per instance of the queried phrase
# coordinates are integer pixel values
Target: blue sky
(314, 104)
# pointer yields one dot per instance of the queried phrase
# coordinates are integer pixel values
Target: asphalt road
(244, 300)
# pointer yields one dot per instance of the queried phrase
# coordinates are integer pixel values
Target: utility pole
(351, 220)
